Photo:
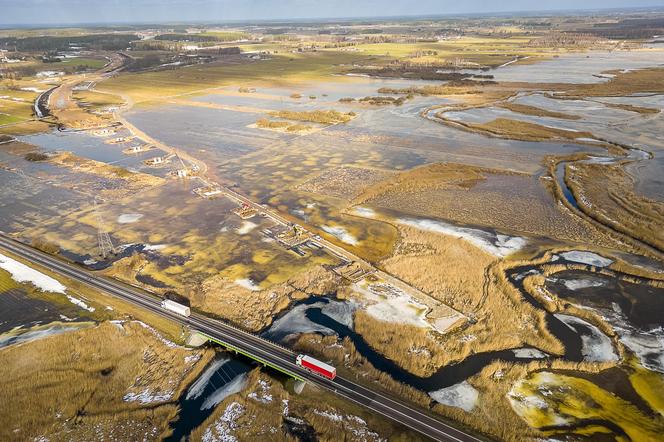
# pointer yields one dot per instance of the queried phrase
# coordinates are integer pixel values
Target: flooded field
(579, 68)
(380, 226)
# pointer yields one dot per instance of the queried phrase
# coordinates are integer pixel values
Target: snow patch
(154, 247)
(461, 395)
(589, 258)
(495, 243)
(341, 234)
(595, 345)
(246, 227)
(528, 353)
(248, 284)
(365, 212)
(22, 273)
(128, 218)
(222, 428)
(234, 386)
(388, 303)
(80, 303)
(147, 397)
(263, 394)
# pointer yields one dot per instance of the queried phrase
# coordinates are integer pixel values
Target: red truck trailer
(316, 366)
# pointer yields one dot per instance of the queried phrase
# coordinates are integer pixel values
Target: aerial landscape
(334, 221)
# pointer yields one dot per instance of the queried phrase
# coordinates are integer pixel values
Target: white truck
(176, 307)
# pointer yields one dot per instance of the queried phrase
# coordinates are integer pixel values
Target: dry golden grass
(525, 131)
(447, 268)
(316, 116)
(127, 268)
(471, 281)
(265, 123)
(632, 108)
(255, 310)
(536, 111)
(606, 194)
(492, 415)
(425, 178)
(71, 386)
(411, 347)
(354, 366)
(649, 80)
(327, 417)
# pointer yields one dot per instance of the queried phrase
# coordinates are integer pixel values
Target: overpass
(255, 347)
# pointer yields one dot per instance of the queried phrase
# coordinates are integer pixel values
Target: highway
(251, 344)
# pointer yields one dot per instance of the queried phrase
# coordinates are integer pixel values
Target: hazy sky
(105, 11)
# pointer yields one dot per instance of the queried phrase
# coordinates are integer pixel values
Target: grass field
(265, 409)
(281, 69)
(75, 385)
(90, 63)
(480, 50)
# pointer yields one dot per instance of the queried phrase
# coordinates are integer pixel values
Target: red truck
(316, 366)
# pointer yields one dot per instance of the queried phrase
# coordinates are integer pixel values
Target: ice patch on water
(128, 218)
(295, 321)
(596, 346)
(234, 386)
(528, 353)
(495, 243)
(523, 275)
(198, 387)
(22, 273)
(341, 234)
(342, 312)
(648, 347)
(461, 395)
(589, 258)
(579, 284)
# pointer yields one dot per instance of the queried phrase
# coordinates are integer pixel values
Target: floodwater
(223, 376)
(271, 166)
(579, 67)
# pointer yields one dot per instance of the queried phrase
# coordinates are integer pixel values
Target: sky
(26, 12)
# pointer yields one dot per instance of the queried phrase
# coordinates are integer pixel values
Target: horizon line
(330, 19)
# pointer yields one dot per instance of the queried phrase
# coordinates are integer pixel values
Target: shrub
(36, 156)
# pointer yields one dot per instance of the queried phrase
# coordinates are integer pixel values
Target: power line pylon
(104, 242)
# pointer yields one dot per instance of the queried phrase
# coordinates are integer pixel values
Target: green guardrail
(255, 358)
